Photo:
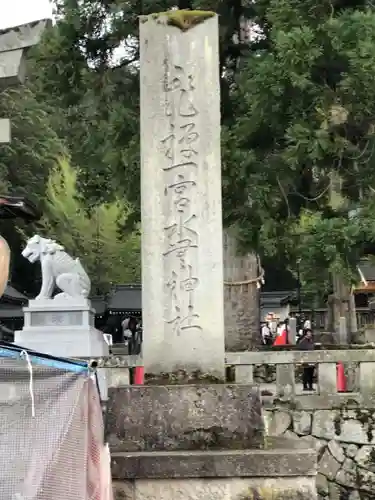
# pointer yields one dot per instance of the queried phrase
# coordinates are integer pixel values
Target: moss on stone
(267, 442)
(362, 416)
(321, 347)
(271, 493)
(372, 456)
(181, 377)
(184, 19)
(337, 424)
(370, 431)
(285, 404)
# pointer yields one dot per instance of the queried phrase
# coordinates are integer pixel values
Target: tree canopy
(35, 145)
(24, 166)
(297, 120)
(299, 155)
(94, 234)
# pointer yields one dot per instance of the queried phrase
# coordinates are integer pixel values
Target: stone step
(277, 462)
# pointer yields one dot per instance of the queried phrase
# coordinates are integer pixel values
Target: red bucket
(341, 379)
(139, 375)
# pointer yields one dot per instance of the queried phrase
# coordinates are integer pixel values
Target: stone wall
(345, 443)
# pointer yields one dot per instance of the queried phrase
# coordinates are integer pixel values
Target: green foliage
(97, 116)
(304, 117)
(34, 147)
(91, 233)
(297, 114)
(24, 167)
(87, 68)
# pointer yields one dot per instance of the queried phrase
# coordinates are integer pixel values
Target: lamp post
(299, 288)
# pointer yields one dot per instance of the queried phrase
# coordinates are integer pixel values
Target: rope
(259, 279)
(25, 354)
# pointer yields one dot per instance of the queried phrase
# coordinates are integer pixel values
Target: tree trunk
(343, 305)
(241, 299)
(342, 301)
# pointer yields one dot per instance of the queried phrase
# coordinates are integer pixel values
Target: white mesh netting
(51, 434)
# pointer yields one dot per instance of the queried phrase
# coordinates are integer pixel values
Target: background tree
(88, 67)
(93, 234)
(303, 124)
(297, 114)
(24, 166)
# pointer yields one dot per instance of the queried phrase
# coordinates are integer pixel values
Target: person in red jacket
(282, 336)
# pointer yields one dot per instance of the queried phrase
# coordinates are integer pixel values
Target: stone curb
(194, 464)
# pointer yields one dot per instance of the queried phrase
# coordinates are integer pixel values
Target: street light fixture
(299, 288)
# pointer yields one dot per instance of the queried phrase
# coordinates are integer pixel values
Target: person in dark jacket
(129, 329)
(306, 344)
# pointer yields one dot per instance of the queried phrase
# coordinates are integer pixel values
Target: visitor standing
(129, 329)
(307, 325)
(266, 334)
(282, 337)
(306, 344)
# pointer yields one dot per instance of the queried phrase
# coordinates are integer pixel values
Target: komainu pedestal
(62, 328)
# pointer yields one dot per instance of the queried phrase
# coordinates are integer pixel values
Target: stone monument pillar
(189, 437)
(182, 254)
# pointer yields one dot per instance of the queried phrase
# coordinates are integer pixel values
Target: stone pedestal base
(234, 488)
(200, 442)
(63, 328)
(66, 343)
(274, 474)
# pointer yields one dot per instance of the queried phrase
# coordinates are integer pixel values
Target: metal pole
(299, 288)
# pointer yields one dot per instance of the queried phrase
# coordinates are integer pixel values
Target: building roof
(99, 304)
(125, 298)
(10, 311)
(284, 297)
(12, 207)
(367, 268)
(14, 295)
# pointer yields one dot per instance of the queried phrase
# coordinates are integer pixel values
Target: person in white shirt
(129, 328)
(266, 334)
(307, 325)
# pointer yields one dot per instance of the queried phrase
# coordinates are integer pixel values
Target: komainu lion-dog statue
(59, 270)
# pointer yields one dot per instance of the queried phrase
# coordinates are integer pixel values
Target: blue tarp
(8, 350)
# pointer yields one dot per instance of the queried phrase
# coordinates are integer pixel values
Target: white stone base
(64, 342)
(63, 328)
